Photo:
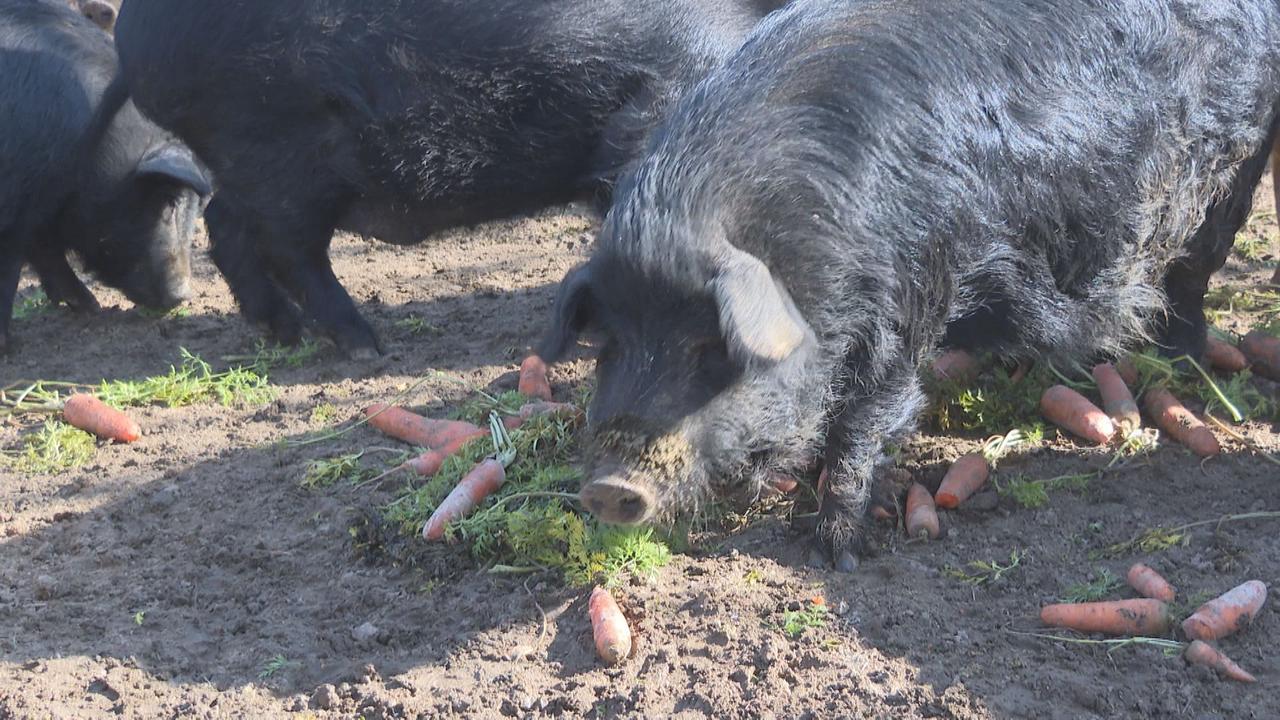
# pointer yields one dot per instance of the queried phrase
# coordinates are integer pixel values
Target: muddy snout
(616, 498)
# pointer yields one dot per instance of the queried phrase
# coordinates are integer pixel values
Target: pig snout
(615, 498)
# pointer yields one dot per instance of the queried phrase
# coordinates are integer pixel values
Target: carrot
(1116, 398)
(1202, 653)
(1073, 412)
(963, 479)
(1263, 351)
(413, 428)
(1128, 371)
(608, 627)
(1150, 583)
(430, 462)
(1178, 421)
(533, 378)
(483, 480)
(880, 512)
(1227, 613)
(1138, 616)
(90, 414)
(1224, 356)
(922, 516)
(542, 407)
(956, 365)
(779, 484)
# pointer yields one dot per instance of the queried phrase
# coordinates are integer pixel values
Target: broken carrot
(964, 478)
(430, 462)
(608, 627)
(1227, 613)
(533, 379)
(1200, 652)
(1073, 412)
(1224, 356)
(416, 429)
(483, 480)
(1175, 419)
(92, 415)
(1117, 401)
(1263, 352)
(1150, 583)
(1139, 616)
(922, 515)
(956, 365)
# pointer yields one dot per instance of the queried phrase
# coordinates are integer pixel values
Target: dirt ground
(188, 575)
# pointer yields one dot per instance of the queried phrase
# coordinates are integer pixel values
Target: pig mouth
(615, 498)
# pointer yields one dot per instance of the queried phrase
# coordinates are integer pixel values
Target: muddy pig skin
(400, 119)
(117, 191)
(1038, 178)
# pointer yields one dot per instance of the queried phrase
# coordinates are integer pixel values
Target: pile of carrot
(1149, 615)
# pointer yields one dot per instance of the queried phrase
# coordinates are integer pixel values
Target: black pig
(398, 119)
(1051, 178)
(116, 191)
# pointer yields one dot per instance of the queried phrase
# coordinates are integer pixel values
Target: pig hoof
(847, 562)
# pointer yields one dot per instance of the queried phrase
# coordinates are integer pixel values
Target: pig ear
(176, 163)
(757, 316)
(569, 316)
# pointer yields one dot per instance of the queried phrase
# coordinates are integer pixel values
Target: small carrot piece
(1200, 652)
(1263, 351)
(1117, 401)
(533, 379)
(608, 627)
(1227, 613)
(964, 478)
(922, 515)
(483, 480)
(542, 407)
(1150, 583)
(430, 462)
(1180, 423)
(1073, 412)
(779, 484)
(1224, 356)
(92, 415)
(1138, 616)
(956, 365)
(413, 428)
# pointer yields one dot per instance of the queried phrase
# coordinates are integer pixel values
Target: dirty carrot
(1200, 652)
(956, 365)
(533, 379)
(92, 415)
(1150, 583)
(608, 627)
(1140, 616)
(1073, 412)
(413, 428)
(1263, 351)
(430, 462)
(1117, 401)
(922, 516)
(1180, 423)
(1224, 356)
(1128, 371)
(1227, 613)
(963, 479)
(779, 484)
(483, 480)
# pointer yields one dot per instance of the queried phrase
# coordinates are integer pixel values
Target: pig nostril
(631, 509)
(615, 500)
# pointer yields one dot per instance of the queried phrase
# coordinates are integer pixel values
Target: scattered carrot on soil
(1139, 616)
(483, 480)
(1073, 412)
(964, 478)
(1224, 356)
(430, 462)
(922, 516)
(1227, 613)
(533, 379)
(1200, 652)
(1150, 583)
(1172, 417)
(1117, 401)
(416, 429)
(956, 365)
(1263, 351)
(608, 627)
(92, 415)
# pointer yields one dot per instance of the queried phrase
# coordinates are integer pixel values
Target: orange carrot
(533, 378)
(430, 462)
(413, 428)
(1128, 372)
(1227, 613)
(1073, 412)
(779, 484)
(1116, 398)
(880, 512)
(1263, 351)
(956, 365)
(542, 407)
(90, 414)
(963, 479)
(1202, 653)
(483, 480)
(922, 516)
(1224, 356)
(608, 627)
(1150, 583)
(1139, 616)
(1178, 421)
